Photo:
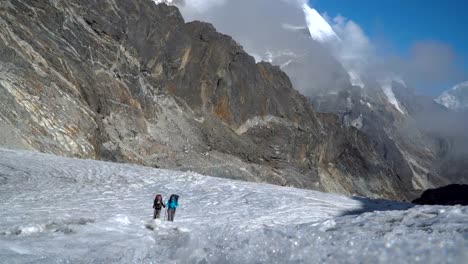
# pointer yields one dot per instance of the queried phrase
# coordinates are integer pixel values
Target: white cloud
(354, 50)
(298, 3)
(202, 5)
(276, 31)
(268, 28)
(193, 7)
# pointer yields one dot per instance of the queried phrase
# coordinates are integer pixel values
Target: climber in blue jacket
(172, 205)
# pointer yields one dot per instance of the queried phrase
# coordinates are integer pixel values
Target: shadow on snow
(372, 205)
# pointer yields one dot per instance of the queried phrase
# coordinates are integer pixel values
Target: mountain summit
(456, 98)
(319, 28)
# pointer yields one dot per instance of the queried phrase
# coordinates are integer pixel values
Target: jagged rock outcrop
(453, 194)
(400, 135)
(130, 81)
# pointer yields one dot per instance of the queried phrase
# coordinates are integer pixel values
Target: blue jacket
(172, 204)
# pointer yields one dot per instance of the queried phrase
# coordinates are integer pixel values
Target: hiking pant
(157, 213)
(170, 214)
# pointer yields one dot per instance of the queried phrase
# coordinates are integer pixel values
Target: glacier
(64, 210)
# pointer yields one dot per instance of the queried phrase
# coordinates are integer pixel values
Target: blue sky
(394, 26)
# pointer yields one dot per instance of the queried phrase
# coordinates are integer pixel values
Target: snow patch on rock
(388, 91)
(260, 121)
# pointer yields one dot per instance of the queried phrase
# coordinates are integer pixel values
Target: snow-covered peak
(456, 98)
(320, 30)
(460, 86)
(318, 27)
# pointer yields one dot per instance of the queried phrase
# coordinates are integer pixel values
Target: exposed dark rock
(454, 194)
(130, 81)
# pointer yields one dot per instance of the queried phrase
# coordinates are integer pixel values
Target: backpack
(173, 201)
(174, 197)
(158, 202)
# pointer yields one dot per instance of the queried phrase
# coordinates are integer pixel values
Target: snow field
(60, 210)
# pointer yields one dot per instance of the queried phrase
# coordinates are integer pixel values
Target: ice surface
(59, 210)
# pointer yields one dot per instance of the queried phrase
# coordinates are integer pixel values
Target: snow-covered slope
(63, 210)
(386, 85)
(318, 27)
(455, 98)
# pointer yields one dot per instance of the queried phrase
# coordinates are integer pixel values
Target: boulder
(453, 194)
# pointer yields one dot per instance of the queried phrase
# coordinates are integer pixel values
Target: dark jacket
(158, 204)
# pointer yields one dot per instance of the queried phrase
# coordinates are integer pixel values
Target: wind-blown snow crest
(61, 210)
(319, 29)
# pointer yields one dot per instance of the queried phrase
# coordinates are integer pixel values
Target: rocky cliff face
(445, 135)
(130, 81)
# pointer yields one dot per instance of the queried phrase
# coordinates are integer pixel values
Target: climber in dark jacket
(158, 205)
